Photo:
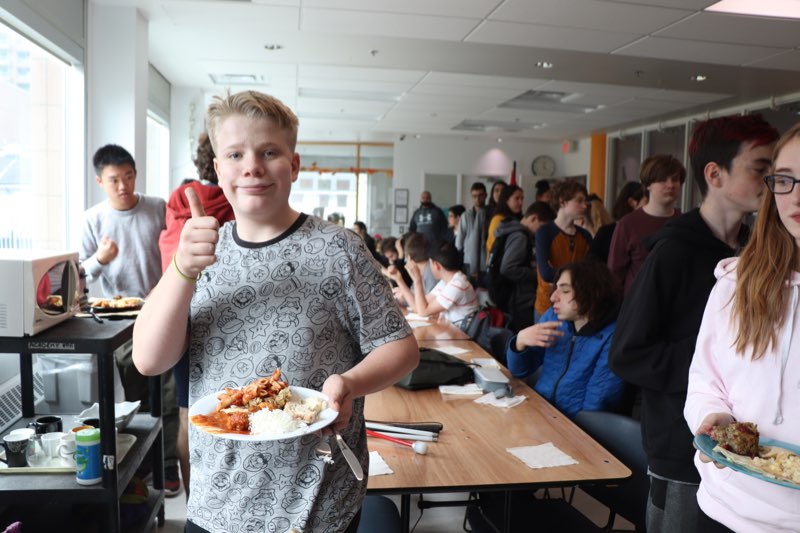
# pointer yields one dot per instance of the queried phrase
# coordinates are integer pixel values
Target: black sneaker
(172, 481)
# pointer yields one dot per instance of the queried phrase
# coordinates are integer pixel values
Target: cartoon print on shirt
(244, 296)
(283, 304)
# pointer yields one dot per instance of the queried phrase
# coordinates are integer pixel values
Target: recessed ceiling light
(762, 8)
(273, 47)
(418, 136)
(499, 139)
(544, 64)
(699, 77)
(237, 79)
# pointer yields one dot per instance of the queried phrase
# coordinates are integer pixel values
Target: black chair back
(620, 435)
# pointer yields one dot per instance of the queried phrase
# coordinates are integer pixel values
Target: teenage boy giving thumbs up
(274, 288)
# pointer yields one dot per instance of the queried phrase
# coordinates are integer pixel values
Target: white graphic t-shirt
(311, 302)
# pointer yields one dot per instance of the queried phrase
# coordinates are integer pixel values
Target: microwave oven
(38, 289)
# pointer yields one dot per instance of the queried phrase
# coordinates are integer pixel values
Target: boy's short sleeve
(373, 313)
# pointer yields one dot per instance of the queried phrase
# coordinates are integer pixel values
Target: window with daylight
(41, 143)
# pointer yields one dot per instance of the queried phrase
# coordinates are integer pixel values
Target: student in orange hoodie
(178, 212)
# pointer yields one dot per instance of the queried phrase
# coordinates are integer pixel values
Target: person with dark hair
(388, 249)
(509, 204)
(630, 197)
(453, 296)
(543, 191)
(513, 280)
(471, 234)
(660, 317)
(178, 212)
(571, 342)
(360, 229)
(662, 177)
(560, 242)
(494, 198)
(429, 220)
(417, 253)
(119, 248)
(454, 214)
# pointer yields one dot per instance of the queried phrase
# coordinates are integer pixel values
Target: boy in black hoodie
(660, 317)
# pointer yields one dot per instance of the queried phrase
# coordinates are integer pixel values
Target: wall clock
(544, 165)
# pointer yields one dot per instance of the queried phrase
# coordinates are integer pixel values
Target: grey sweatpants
(672, 506)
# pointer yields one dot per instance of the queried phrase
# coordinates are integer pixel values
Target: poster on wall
(400, 214)
(400, 198)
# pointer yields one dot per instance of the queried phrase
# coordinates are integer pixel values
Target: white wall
(187, 122)
(117, 87)
(469, 156)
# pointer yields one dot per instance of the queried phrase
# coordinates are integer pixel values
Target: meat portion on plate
(740, 438)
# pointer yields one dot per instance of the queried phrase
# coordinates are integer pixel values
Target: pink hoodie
(766, 392)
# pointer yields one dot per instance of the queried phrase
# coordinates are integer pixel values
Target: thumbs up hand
(198, 240)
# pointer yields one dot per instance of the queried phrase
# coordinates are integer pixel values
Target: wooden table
(439, 329)
(471, 452)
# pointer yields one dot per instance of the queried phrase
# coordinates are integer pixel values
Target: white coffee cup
(66, 448)
(51, 442)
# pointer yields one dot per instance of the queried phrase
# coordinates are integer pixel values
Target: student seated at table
(571, 342)
(453, 296)
(415, 251)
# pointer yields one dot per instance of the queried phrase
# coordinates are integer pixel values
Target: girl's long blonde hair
(765, 266)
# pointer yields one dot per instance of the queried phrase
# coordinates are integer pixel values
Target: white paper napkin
(491, 399)
(451, 350)
(542, 456)
(377, 466)
(415, 316)
(461, 390)
(486, 362)
(417, 324)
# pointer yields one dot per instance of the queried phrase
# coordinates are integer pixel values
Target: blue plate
(706, 444)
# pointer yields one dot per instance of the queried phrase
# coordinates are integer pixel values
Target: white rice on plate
(296, 415)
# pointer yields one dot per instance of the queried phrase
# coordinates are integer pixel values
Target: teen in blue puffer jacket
(571, 342)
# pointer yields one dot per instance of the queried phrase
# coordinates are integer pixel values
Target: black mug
(94, 422)
(47, 424)
(16, 450)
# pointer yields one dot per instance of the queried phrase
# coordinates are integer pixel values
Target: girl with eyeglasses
(746, 365)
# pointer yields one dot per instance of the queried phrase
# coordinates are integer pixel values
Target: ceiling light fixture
(499, 139)
(699, 77)
(238, 79)
(544, 64)
(763, 8)
(417, 136)
(273, 47)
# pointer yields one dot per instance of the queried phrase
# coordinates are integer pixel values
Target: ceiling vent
(497, 126)
(237, 79)
(547, 101)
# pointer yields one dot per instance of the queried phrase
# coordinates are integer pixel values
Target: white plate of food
(301, 411)
(116, 304)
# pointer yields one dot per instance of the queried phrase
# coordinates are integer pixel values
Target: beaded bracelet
(181, 274)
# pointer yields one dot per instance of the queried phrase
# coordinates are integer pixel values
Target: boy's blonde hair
(251, 104)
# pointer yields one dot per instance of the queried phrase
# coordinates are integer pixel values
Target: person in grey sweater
(119, 249)
(471, 235)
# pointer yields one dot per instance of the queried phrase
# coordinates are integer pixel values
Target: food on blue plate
(740, 438)
(771, 461)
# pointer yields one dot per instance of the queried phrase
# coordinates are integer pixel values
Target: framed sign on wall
(400, 198)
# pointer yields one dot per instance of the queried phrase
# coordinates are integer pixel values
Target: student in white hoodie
(746, 365)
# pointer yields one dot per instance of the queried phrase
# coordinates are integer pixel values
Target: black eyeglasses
(780, 184)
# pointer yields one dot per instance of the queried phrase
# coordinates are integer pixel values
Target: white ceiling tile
(681, 4)
(464, 8)
(733, 29)
(364, 86)
(521, 115)
(694, 51)
(240, 18)
(686, 97)
(464, 90)
(589, 14)
(539, 36)
(789, 60)
(359, 73)
(341, 107)
(386, 24)
(477, 80)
